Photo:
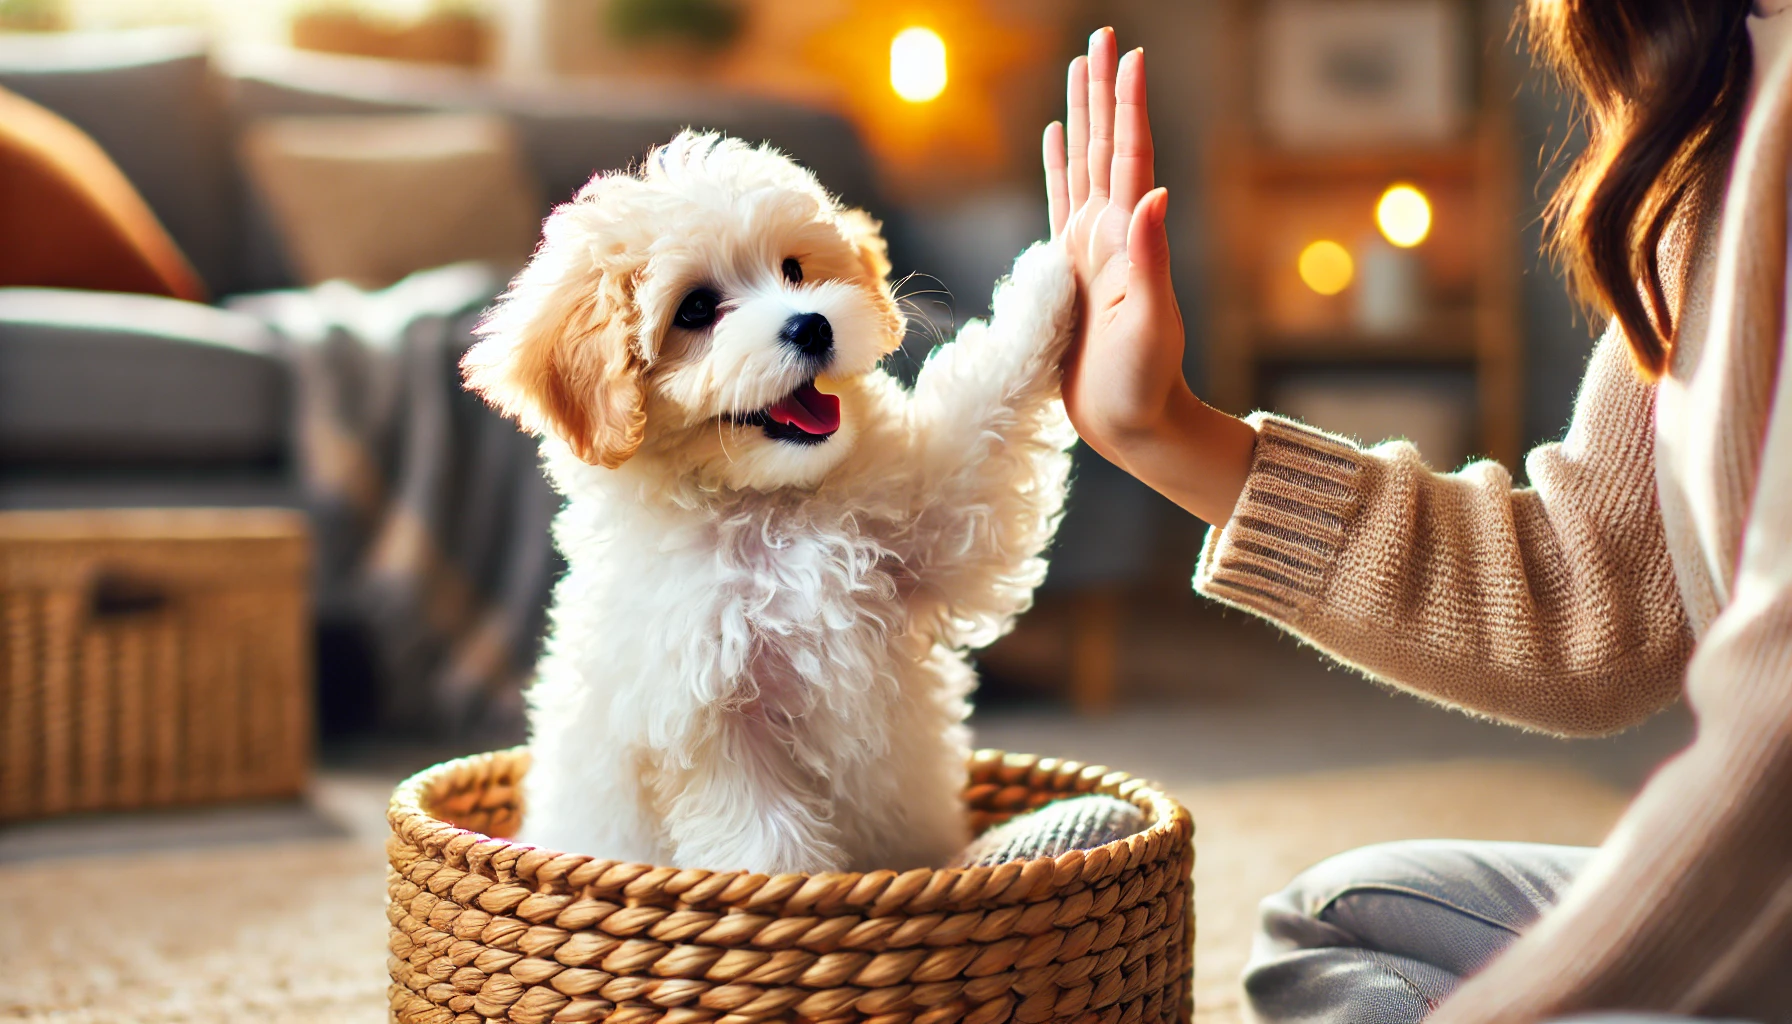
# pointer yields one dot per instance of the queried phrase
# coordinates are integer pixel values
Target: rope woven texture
(487, 930)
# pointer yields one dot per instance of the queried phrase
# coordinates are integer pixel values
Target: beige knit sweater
(1650, 558)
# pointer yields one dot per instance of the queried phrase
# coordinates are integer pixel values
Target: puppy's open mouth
(805, 416)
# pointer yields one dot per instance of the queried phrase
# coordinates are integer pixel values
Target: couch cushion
(70, 217)
(150, 100)
(100, 378)
(569, 129)
(372, 200)
(266, 81)
(572, 130)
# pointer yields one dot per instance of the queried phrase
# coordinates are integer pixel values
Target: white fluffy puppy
(777, 557)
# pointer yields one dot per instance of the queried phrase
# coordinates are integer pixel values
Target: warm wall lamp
(918, 64)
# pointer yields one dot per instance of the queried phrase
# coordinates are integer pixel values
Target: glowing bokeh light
(1403, 215)
(1326, 267)
(918, 64)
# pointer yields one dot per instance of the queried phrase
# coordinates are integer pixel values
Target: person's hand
(1122, 376)
(1127, 357)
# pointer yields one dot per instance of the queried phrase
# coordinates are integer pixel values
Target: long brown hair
(1662, 84)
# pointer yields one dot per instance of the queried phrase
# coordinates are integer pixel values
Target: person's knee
(1638, 1018)
(1309, 963)
(1396, 921)
(1293, 917)
(1397, 865)
(1507, 883)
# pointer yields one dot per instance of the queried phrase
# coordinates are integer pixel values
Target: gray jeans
(1381, 935)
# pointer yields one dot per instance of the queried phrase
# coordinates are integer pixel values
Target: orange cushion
(70, 219)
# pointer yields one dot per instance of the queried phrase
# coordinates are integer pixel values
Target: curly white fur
(757, 655)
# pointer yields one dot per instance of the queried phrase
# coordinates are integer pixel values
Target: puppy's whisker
(912, 301)
(722, 439)
(924, 291)
(913, 296)
(910, 276)
(918, 308)
(897, 289)
(926, 323)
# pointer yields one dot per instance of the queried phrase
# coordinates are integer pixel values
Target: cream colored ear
(557, 354)
(866, 236)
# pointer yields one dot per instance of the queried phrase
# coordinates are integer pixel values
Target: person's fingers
(1133, 175)
(1102, 60)
(1077, 131)
(1105, 238)
(1057, 186)
(1148, 249)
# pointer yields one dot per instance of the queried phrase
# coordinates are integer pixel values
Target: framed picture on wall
(1354, 73)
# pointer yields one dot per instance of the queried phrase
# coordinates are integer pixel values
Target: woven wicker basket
(152, 657)
(484, 929)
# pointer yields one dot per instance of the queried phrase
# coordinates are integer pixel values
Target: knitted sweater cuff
(1277, 554)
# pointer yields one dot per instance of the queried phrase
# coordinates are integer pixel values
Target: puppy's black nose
(810, 334)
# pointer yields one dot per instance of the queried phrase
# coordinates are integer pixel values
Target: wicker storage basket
(151, 657)
(484, 929)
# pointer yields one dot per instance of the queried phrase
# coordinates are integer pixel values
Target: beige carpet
(294, 932)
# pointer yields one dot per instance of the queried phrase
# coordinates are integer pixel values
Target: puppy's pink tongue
(808, 410)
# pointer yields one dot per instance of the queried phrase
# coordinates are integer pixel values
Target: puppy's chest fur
(762, 577)
(774, 626)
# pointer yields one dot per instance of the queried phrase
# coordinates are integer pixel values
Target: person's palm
(1127, 356)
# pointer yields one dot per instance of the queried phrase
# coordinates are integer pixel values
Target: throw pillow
(71, 219)
(373, 199)
(151, 99)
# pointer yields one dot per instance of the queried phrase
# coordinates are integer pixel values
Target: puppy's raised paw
(1042, 285)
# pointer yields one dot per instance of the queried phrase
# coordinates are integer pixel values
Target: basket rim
(921, 890)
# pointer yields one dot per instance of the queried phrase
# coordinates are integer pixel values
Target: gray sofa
(118, 399)
(127, 400)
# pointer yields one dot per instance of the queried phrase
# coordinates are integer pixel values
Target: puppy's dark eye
(698, 309)
(793, 271)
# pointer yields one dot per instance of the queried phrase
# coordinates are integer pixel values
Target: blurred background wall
(1009, 53)
(1016, 50)
(294, 147)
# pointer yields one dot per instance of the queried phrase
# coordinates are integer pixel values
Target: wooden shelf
(1357, 347)
(1303, 167)
(1447, 335)
(1266, 201)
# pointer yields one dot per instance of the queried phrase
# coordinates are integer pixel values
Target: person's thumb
(1148, 245)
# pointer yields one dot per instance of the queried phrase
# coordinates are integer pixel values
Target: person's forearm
(1195, 455)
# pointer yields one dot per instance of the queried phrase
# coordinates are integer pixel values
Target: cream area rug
(294, 932)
